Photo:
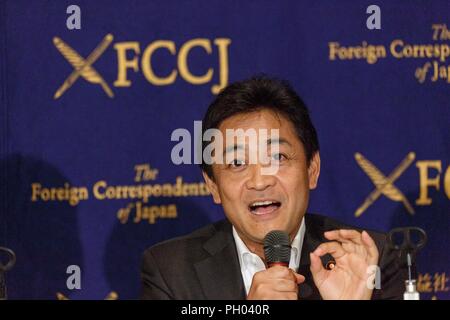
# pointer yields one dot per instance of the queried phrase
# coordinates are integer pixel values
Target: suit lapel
(220, 274)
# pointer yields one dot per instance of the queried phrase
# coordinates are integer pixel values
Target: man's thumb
(299, 278)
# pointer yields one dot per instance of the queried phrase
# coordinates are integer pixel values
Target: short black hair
(258, 93)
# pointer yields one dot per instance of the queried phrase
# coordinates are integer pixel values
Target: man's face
(257, 203)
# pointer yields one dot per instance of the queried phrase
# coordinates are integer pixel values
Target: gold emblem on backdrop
(130, 60)
(81, 66)
(384, 185)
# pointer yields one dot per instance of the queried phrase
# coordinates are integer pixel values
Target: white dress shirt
(252, 263)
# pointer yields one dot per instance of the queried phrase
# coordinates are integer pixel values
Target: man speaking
(228, 259)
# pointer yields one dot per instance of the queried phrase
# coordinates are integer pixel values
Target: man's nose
(257, 180)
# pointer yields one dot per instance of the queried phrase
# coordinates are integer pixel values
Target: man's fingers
(280, 284)
(371, 247)
(344, 235)
(316, 264)
(279, 272)
(351, 241)
(362, 242)
(275, 283)
(334, 248)
(317, 270)
(283, 285)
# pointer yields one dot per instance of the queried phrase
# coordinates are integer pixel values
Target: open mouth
(264, 207)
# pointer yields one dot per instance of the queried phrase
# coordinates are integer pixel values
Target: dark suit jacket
(205, 265)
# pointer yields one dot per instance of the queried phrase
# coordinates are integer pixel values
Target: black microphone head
(277, 248)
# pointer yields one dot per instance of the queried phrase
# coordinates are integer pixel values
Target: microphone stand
(408, 247)
(4, 268)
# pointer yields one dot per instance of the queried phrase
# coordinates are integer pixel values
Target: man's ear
(212, 186)
(314, 170)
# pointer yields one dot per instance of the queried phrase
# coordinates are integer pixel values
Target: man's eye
(236, 163)
(278, 157)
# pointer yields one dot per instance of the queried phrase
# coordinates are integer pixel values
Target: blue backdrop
(159, 65)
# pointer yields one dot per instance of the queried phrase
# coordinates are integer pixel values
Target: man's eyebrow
(278, 141)
(269, 142)
(233, 148)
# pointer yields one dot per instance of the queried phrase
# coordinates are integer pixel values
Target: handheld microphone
(277, 249)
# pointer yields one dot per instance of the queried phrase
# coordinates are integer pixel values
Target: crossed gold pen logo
(83, 67)
(384, 185)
